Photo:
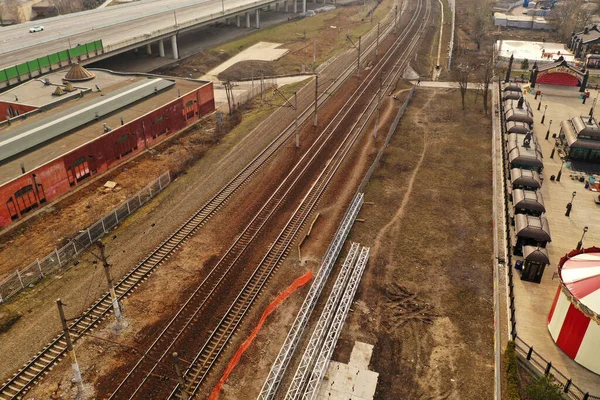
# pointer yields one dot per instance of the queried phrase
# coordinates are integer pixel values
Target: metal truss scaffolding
(316, 340)
(336, 327)
(278, 368)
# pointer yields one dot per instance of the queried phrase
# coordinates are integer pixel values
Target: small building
(592, 61)
(530, 231)
(585, 42)
(558, 73)
(511, 95)
(525, 179)
(512, 87)
(517, 127)
(528, 202)
(535, 260)
(512, 112)
(579, 139)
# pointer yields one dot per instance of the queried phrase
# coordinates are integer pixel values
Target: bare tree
(568, 16)
(480, 21)
(485, 74)
(462, 75)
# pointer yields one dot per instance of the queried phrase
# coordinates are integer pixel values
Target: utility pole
(315, 54)
(357, 48)
(104, 260)
(316, 98)
(377, 47)
(74, 363)
(378, 107)
(111, 287)
(184, 393)
(358, 61)
(296, 121)
(295, 107)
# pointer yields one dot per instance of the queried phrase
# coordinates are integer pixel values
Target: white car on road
(36, 29)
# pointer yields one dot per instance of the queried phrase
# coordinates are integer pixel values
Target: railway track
(205, 359)
(162, 346)
(43, 362)
(146, 367)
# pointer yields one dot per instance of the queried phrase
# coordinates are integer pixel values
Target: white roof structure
(532, 51)
(574, 321)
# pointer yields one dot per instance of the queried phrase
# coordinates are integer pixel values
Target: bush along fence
(527, 353)
(39, 66)
(58, 258)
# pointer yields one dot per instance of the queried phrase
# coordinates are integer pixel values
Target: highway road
(118, 26)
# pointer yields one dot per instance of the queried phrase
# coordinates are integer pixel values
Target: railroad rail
(278, 368)
(42, 362)
(220, 336)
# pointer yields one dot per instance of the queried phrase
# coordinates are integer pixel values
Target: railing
(534, 359)
(58, 258)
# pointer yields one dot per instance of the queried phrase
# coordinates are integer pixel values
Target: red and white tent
(574, 321)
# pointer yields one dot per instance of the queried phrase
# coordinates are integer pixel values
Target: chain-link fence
(20, 279)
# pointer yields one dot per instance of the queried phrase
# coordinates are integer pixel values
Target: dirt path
(396, 220)
(424, 302)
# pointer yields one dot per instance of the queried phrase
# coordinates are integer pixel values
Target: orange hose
(299, 282)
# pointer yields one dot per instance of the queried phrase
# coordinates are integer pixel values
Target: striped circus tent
(574, 321)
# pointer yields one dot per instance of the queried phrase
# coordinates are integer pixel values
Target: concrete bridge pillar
(257, 18)
(286, 5)
(276, 6)
(247, 20)
(238, 21)
(161, 48)
(174, 47)
(295, 6)
(149, 49)
(304, 6)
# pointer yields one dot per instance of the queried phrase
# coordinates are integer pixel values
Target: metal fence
(534, 359)
(58, 258)
(42, 65)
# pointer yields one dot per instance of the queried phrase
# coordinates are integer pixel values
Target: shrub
(512, 372)
(544, 388)
(525, 64)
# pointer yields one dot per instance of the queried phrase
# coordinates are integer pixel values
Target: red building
(48, 170)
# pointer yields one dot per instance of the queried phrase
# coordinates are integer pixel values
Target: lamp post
(570, 205)
(540, 103)
(544, 116)
(580, 244)
(548, 131)
(223, 6)
(562, 162)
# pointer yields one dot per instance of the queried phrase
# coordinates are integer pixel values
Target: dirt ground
(328, 30)
(425, 301)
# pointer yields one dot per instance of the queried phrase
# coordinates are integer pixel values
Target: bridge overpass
(130, 26)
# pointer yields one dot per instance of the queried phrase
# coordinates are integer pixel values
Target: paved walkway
(451, 85)
(533, 301)
(351, 381)
(261, 51)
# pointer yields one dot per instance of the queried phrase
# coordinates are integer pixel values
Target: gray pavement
(116, 26)
(533, 301)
